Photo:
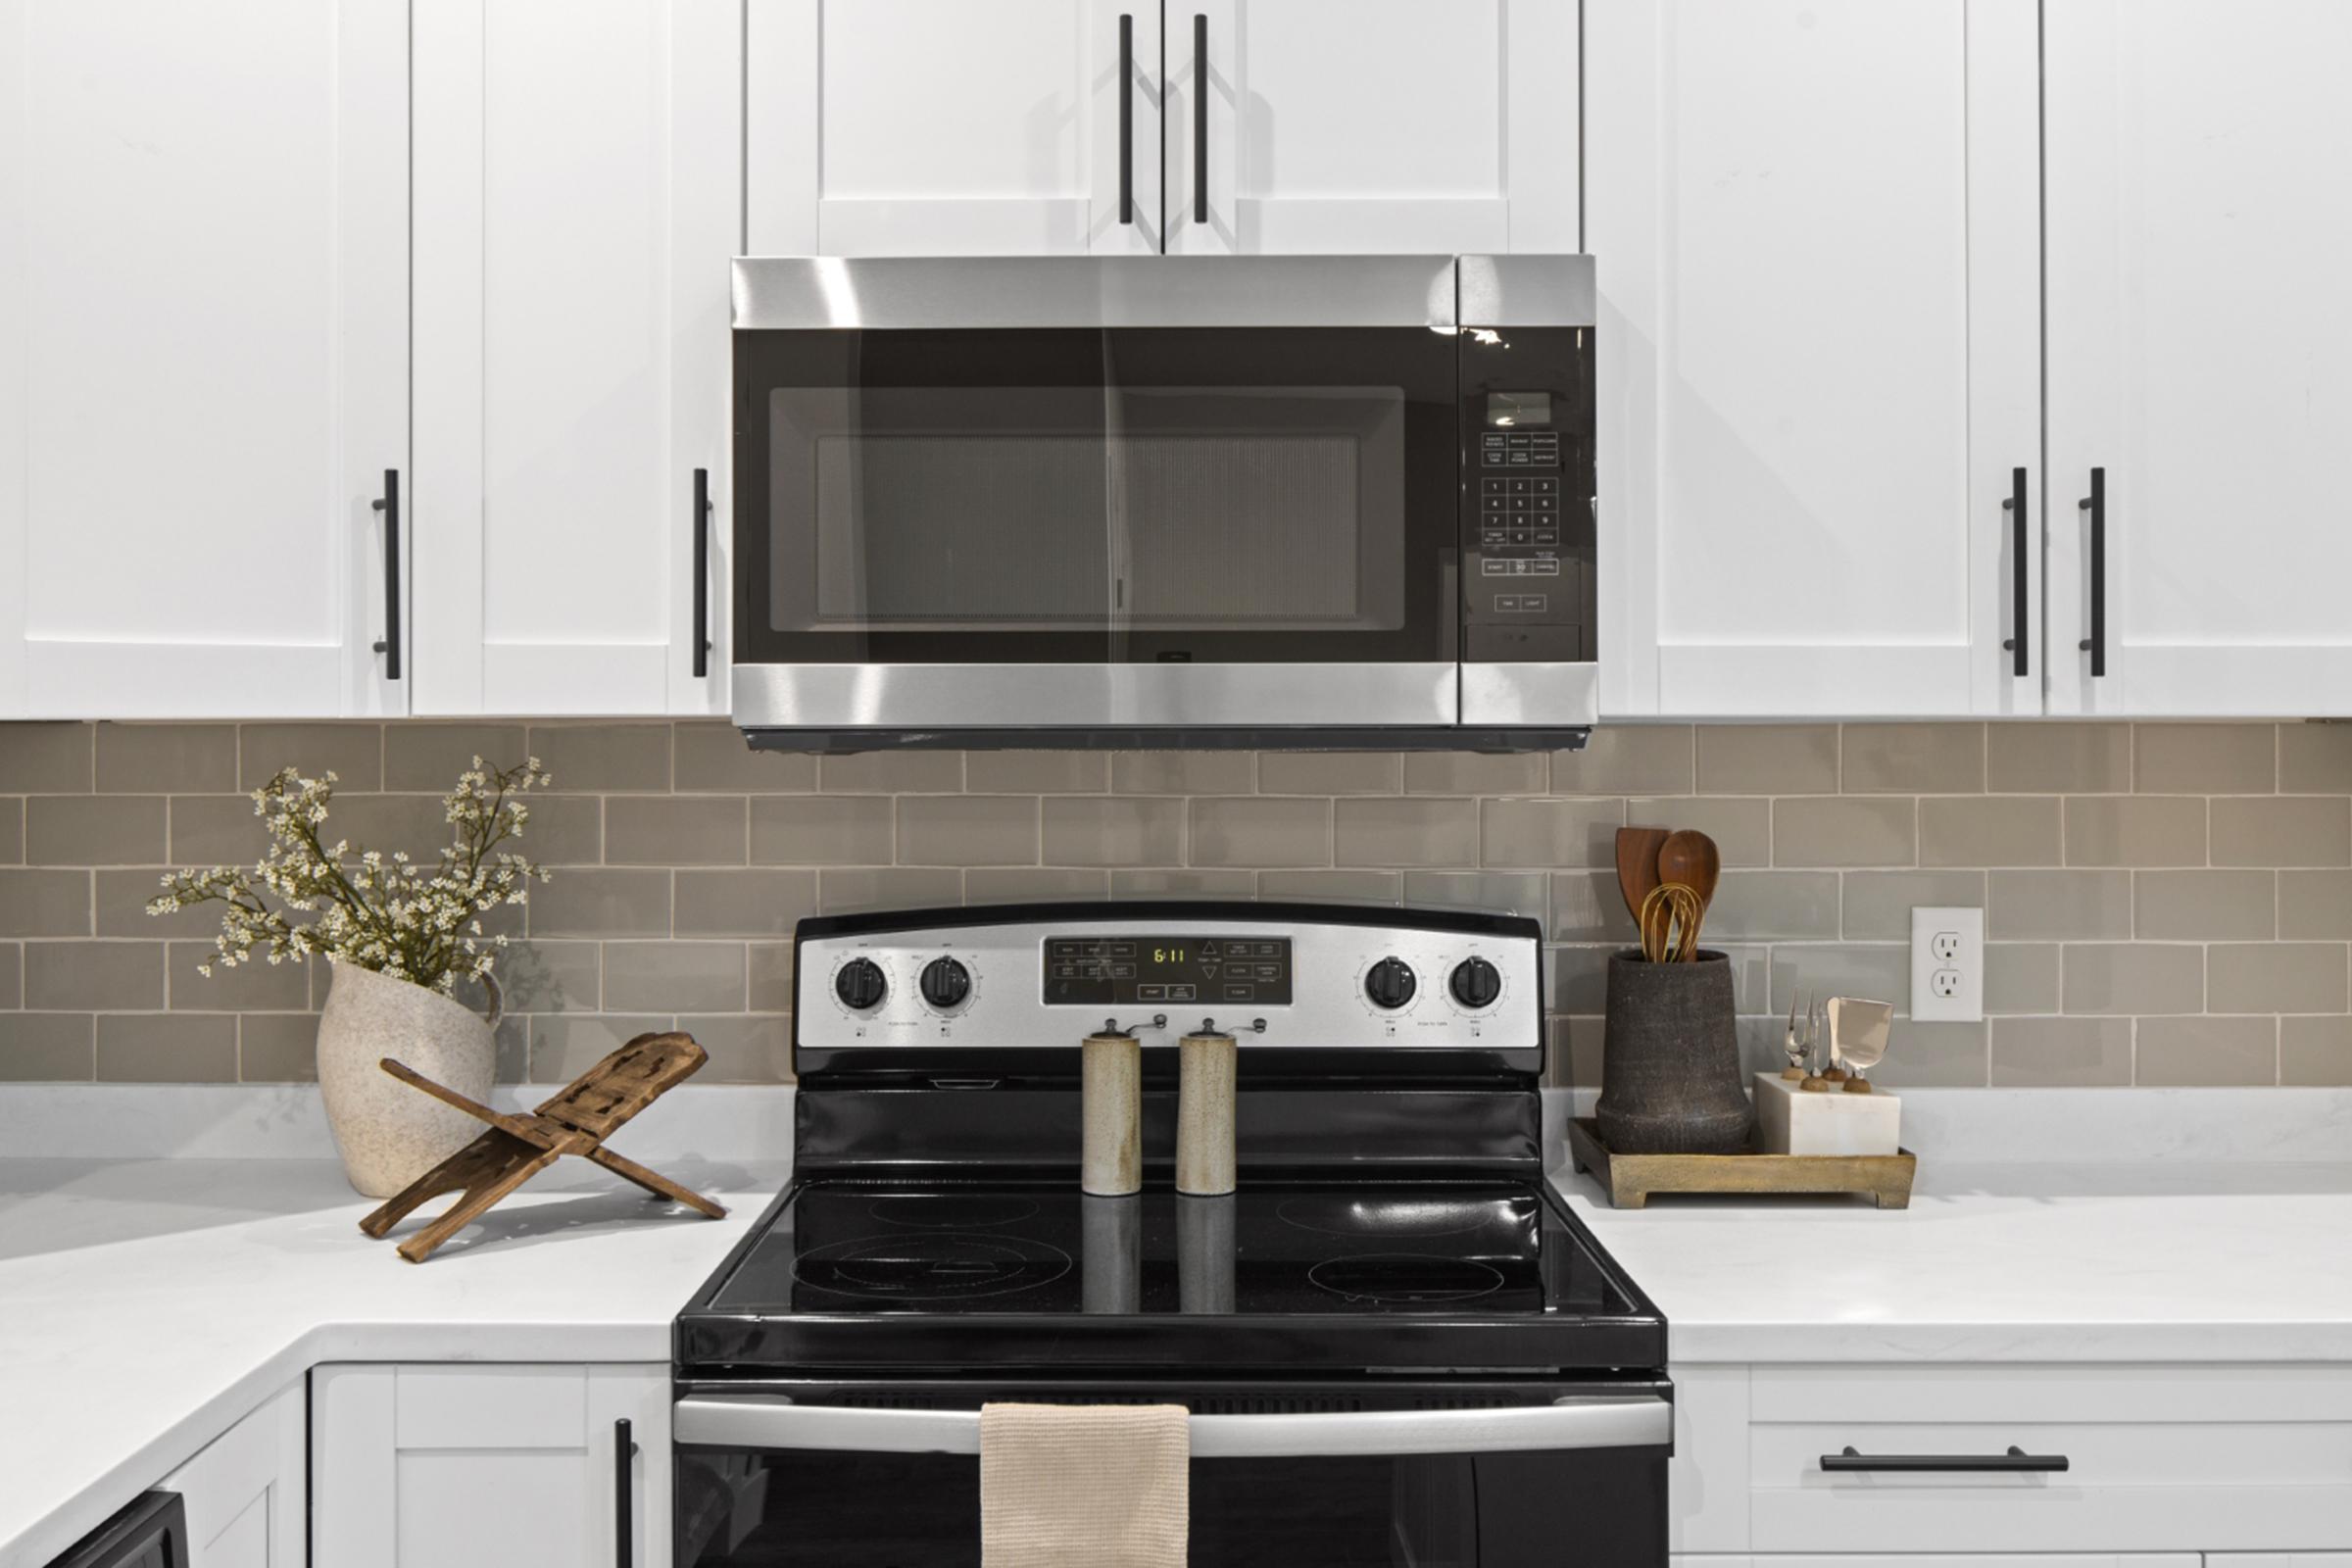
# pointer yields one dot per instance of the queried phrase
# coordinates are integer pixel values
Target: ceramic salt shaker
(1110, 1070)
(1206, 1067)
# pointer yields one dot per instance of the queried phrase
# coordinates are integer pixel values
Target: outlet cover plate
(1947, 965)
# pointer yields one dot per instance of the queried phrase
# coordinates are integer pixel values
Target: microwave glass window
(1040, 507)
(1518, 410)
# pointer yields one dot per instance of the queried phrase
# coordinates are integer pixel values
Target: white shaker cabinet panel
(952, 128)
(579, 200)
(2278, 1559)
(1817, 245)
(2200, 353)
(245, 1497)
(1371, 125)
(423, 1466)
(204, 343)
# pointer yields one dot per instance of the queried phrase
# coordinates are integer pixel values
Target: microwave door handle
(750, 1421)
(1126, 120)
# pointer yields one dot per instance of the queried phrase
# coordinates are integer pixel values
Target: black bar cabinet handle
(2015, 505)
(624, 1524)
(2016, 1460)
(1200, 118)
(701, 573)
(389, 505)
(2096, 503)
(1126, 120)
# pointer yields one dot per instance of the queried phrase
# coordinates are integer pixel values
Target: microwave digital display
(1515, 410)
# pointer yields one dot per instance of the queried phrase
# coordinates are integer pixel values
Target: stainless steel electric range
(1398, 1345)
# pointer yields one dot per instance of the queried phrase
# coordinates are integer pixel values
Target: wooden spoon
(1689, 856)
(1638, 865)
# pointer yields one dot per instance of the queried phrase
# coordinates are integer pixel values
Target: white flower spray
(381, 912)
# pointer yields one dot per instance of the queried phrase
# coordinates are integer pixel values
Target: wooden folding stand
(518, 1148)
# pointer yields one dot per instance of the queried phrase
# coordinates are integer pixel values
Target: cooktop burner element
(1405, 1279)
(931, 1266)
(953, 1211)
(1353, 1216)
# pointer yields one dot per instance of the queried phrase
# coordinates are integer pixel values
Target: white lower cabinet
(244, 1493)
(2160, 1464)
(423, 1466)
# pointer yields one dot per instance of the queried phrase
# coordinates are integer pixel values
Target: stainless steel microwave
(1305, 502)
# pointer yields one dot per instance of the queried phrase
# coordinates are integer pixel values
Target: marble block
(1791, 1121)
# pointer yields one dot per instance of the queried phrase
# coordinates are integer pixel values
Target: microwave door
(1080, 522)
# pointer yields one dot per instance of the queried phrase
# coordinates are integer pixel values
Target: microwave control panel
(1527, 524)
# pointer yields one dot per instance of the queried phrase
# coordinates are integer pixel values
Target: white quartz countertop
(147, 1306)
(2013, 1262)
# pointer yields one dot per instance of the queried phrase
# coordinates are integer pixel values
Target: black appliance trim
(152, 1519)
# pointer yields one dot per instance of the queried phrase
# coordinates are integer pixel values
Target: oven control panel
(1052, 983)
(1128, 971)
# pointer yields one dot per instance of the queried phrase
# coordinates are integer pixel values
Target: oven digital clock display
(1142, 971)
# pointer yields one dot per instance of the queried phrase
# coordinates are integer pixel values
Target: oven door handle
(765, 1421)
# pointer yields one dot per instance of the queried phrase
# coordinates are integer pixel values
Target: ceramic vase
(1669, 1079)
(388, 1133)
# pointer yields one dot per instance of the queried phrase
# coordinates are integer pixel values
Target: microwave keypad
(1520, 448)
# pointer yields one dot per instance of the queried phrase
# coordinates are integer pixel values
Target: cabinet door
(2200, 353)
(244, 1493)
(1816, 239)
(423, 1466)
(578, 198)
(1370, 126)
(203, 353)
(953, 127)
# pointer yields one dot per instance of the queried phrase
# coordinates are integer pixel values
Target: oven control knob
(945, 983)
(860, 984)
(1475, 983)
(1390, 984)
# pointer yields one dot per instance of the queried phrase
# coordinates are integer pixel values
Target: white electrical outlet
(1947, 965)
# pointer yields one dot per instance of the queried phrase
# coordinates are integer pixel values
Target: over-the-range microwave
(1296, 502)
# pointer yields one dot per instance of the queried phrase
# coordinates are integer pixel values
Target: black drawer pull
(2096, 503)
(2016, 1460)
(2019, 533)
(625, 1523)
(388, 503)
(701, 573)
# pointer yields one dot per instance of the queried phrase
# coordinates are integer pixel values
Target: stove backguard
(1373, 1041)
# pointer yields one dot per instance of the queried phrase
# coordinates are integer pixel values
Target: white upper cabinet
(1371, 125)
(2200, 353)
(1814, 224)
(578, 197)
(952, 128)
(204, 338)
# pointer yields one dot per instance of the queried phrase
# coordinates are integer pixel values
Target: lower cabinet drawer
(2154, 1460)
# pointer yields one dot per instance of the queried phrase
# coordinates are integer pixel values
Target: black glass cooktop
(1399, 1261)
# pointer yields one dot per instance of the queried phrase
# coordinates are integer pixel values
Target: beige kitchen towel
(1084, 1486)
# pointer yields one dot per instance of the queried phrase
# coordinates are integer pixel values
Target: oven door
(1390, 1472)
(1073, 492)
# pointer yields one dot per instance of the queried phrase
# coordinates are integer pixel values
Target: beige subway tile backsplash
(2155, 914)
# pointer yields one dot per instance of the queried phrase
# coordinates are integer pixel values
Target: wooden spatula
(1638, 865)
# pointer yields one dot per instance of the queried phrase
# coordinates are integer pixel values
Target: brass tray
(1630, 1178)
